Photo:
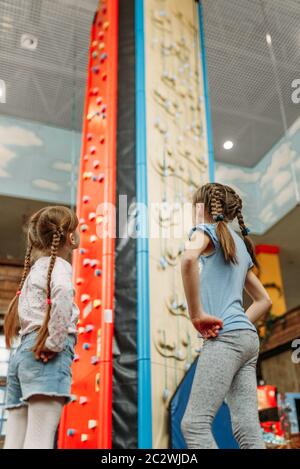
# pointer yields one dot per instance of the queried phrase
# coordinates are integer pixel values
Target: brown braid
(216, 209)
(27, 264)
(223, 204)
(11, 320)
(244, 232)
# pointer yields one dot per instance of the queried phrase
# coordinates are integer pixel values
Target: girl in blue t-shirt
(216, 268)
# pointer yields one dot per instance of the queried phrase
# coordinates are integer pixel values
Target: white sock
(16, 428)
(43, 419)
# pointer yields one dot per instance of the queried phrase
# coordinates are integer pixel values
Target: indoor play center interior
(139, 102)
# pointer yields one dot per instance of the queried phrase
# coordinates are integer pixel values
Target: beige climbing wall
(177, 164)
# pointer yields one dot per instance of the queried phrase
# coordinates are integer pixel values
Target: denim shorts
(28, 376)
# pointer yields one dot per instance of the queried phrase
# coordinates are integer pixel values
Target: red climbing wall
(87, 420)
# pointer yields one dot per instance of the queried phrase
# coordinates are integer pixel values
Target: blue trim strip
(206, 97)
(143, 313)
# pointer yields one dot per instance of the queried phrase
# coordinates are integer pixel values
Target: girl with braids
(44, 315)
(226, 366)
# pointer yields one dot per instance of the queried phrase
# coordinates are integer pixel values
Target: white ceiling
(245, 85)
(48, 84)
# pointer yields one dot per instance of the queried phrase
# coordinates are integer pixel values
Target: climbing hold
(76, 357)
(96, 164)
(71, 432)
(86, 346)
(99, 219)
(87, 175)
(93, 262)
(89, 328)
(86, 262)
(163, 263)
(99, 101)
(79, 281)
(85, 298)
(89, 136)
(105, 25)
(84, 228)
(102, 139)
(166, 394)
(98, 273)
(82, 251)
(93, 239)
(94, 360)
(86, 199)
(94, 54)
(86, 158)
(81, 330)
(92, 216)
(83, 400)
(92, 424)
(101, 45)
(97, 303)
(104, 76)
(94, 43)
(96, 69)
(93, 150)
(101, 35)
(103, 57)
(83, 437)
(73, 398)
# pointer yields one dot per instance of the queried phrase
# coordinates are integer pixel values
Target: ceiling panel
(245, 83)
(47, 84)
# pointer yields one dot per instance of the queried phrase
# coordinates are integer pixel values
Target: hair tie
(49, 301)
(18, 293)
(245, 231)
(218, 217)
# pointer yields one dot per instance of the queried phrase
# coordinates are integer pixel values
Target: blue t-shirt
(221, 283)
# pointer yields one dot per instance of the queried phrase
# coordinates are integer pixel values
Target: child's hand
(208, 325)
(45, 355)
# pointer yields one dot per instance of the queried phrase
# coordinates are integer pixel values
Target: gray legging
(226, 368)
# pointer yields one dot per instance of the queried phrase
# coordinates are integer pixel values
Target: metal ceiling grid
(242, 80)
(47, 84)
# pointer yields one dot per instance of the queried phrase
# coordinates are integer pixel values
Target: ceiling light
(268, 38)
(29, 41)
(228, 145)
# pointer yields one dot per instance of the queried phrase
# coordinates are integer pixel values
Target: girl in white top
(44, 315)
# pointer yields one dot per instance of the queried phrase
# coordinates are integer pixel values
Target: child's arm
(261, 300)
(206, 324)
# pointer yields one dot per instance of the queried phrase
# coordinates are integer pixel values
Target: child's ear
(72, 238)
